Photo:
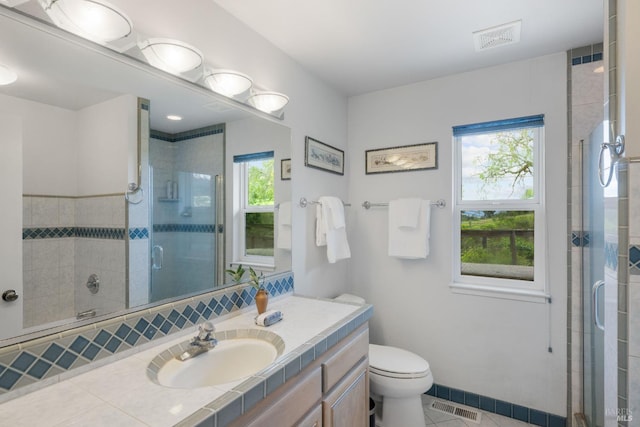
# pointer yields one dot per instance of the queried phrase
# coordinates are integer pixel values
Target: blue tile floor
(435, 418)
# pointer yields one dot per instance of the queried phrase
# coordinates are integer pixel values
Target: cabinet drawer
(337, 366)
(291, 404)
(312, 419)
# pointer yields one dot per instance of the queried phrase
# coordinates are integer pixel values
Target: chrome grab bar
(595, 313)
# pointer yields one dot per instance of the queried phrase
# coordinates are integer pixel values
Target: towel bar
(304, 202)
(440, 203)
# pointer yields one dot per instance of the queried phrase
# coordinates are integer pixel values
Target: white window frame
(241, 208)
(535, 290)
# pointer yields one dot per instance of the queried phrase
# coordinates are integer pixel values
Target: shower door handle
(157, 256)
(595, 313)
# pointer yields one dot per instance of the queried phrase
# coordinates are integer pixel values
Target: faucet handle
(205, 330)
(206, 327)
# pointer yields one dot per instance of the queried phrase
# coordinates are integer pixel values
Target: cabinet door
(348, 404)
(11, 223)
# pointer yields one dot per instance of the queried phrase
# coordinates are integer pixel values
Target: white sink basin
(239, 354)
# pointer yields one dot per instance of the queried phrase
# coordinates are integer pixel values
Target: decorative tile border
(82, 232)
(138, 233)
(184, 228)
(580, 238)
(44, 358)
(586, 54)
(634, 259)
(191, 134)
(496, 406)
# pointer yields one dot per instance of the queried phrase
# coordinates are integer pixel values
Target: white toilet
(397, 379)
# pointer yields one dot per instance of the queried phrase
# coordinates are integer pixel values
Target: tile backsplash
(29, 363)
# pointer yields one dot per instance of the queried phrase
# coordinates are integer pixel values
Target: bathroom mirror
(92, 122)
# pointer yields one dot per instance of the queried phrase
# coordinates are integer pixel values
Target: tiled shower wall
(66, 239)
(586, 83)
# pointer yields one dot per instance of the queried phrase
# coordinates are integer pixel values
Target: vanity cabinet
(333, 391)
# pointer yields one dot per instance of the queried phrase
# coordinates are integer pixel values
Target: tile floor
(435, 418)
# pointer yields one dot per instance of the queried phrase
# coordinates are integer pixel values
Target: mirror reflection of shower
(185, 171)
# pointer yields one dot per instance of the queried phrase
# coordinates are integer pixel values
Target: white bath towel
(284, 226)
(330, 228)
(409, 242)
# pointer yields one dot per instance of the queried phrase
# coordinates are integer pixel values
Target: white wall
(48, 146)
(105, 133)
(490, 346)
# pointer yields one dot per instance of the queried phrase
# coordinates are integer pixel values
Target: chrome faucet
(201, 343)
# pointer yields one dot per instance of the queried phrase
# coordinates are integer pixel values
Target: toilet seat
(395, 362)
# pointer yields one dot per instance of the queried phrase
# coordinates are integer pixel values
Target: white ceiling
(359, 46)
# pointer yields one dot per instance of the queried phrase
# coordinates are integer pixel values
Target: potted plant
(262, 297)
(236, 275)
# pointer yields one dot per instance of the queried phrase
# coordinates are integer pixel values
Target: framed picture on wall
(402, 159)
(285, 169)
(322, 156)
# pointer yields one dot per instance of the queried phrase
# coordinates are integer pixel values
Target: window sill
(256, 265)
(525, 295)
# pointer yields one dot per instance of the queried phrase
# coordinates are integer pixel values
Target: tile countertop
(120, 393)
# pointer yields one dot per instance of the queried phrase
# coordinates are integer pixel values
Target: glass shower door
(593, 281)
(184, 238)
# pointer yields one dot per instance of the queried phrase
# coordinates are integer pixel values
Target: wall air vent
(497, 36)
(458, 411)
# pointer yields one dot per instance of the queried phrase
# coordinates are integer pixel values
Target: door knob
(9, 295)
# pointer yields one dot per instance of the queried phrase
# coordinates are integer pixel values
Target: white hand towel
(406, 242)
(331, 222)
(406, 212)
(284, 226)
(321, 232)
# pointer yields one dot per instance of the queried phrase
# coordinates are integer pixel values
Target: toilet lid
(396, 362)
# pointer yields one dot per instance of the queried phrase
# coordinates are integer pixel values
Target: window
(498, 213)
(254, 201)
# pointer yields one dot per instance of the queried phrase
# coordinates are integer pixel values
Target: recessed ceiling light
(174, 117)
(7, 75)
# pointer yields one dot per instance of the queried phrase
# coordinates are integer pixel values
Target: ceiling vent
(500, 35)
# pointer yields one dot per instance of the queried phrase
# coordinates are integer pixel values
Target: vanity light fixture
(7, 75)
(172, 56)
(95, 20)
(228, 82)
(268, 102)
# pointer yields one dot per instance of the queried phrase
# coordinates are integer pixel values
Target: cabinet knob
(9, 295)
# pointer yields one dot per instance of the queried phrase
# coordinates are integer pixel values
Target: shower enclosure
(186, 213)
